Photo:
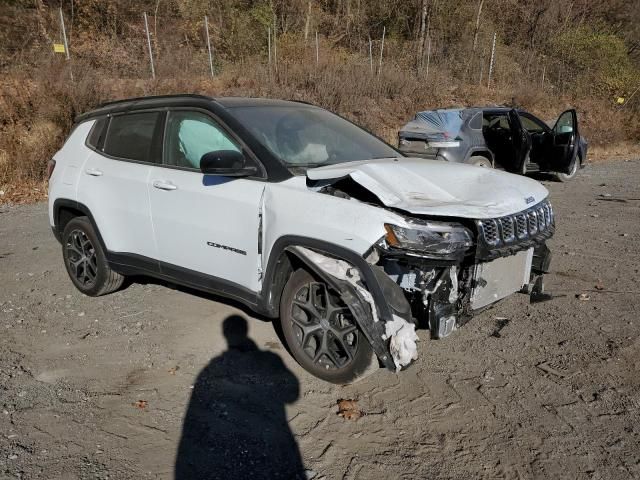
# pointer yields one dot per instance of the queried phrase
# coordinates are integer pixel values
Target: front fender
(387, 297)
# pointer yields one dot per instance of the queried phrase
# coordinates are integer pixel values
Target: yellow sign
(58, 47)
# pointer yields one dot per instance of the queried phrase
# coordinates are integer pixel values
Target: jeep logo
(529, 200)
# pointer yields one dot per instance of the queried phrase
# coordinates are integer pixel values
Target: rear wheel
(85, 260)
(565, 177)
(480, 161)
(320, 331)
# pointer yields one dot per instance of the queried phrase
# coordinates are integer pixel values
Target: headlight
(436, 239)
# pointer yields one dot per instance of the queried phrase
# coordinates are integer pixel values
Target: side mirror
(227, 163)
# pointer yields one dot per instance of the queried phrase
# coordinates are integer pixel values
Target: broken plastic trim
(347, 280)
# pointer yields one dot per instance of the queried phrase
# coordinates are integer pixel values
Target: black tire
(85, 261)
(310, 304)
(480, 161)
(565, 177)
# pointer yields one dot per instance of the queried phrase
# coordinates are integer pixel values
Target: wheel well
(482, 153)
(285, 266)
(65, 215)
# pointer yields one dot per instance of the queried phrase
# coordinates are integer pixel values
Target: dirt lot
(102, 388)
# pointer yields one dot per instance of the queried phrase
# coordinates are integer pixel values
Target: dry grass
(38, 111)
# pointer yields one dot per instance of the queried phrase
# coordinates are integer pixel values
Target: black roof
(181, 100)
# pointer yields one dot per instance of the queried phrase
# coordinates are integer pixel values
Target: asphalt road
(144, 384)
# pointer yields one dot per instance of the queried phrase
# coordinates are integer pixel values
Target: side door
(565, 142)
(206, 226)
(113, 185)
(521, 141)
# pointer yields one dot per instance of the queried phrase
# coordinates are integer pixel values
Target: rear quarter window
(97, 133)
(476, 121)
(130, 136)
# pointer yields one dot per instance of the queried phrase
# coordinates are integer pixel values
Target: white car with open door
(300, 215)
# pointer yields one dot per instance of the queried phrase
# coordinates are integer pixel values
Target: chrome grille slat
(520, 227)
(506, 223)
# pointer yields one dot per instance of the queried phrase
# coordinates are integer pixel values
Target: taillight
(51, 164)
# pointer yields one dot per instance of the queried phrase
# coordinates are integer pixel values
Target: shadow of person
(236, 425)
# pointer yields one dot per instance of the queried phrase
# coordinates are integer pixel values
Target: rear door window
(531, 125)
(130, 136)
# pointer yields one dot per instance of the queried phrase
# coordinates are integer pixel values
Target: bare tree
(475, 32)
(423, 30)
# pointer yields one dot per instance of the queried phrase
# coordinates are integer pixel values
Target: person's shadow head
(236, 425)
(235, 330)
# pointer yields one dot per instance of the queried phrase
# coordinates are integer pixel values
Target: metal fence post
(275, 45)
(66, 44)
(426, 75)
(269, 45)
(206, 28)
(384, 31)
(146, 28)
(493, 54)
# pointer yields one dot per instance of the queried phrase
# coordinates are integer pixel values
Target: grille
(519, 228)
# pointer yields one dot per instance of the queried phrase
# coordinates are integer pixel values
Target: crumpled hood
(433, 187)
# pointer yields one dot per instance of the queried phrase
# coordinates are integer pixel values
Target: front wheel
(85, 260)
(480, 161)
(320, 331)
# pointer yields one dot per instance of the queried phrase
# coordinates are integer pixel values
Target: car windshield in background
(306, 137)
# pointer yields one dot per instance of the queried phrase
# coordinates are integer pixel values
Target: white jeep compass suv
(300, 215)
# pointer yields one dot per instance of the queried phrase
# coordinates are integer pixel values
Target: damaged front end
(448, 283)
(447, 254)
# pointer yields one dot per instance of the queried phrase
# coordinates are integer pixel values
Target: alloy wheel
(324, 327)
(81, 258)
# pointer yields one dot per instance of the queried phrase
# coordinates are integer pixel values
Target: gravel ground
(132, 384)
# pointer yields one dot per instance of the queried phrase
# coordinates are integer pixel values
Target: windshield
(306, 137)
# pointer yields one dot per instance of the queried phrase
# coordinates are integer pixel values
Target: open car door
(565, 142)
(521, 143)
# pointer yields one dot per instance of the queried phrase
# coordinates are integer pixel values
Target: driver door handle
(93, 172)
(164, 185)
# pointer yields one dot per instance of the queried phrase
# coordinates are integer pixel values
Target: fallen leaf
(172, 371)
(583, 296)
(141, 404)
(348, 409)
(599, 285)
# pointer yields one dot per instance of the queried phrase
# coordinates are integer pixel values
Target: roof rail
(151, 97)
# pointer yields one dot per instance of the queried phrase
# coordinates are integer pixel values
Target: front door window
(190, 135)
